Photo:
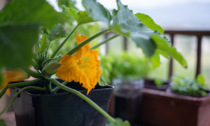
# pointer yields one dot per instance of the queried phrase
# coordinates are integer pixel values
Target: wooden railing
(199, 35)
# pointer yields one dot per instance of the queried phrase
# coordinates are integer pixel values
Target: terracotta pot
(168, 109)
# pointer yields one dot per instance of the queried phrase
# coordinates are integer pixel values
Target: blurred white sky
(144, 4)
(171, 14)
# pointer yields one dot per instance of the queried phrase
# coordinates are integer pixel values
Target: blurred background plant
(187, 86)
(125, 66)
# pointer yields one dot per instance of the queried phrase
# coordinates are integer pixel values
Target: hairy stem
(57, 88)
(76, 48)
(32, 73)
(19, 84)
(105, 41)
(64, 42)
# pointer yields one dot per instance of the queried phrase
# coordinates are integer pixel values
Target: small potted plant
(27, 29)
(186, 102)
(156, 84)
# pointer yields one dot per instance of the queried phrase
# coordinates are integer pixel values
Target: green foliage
(148, 21)
(126, 66)
(81, 17)
(67, 3)
(126, 23)
(155, 60)
(130, 24)
(19, 30)
(200, 79)
(16, 44)
(2, 123)
(158, 82)
(43, 44)
(166, 49)
(119, 122)
(20, 23)
(102, 82)
(97, 11)
(29, 12)
(186, 86)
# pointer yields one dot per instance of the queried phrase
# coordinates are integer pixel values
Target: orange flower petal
(13, 76)
(83, 67)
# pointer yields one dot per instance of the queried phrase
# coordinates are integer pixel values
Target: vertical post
(198, 62)
(171, 63)
(125, 43)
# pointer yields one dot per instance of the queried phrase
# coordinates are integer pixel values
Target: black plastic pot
(61, 109)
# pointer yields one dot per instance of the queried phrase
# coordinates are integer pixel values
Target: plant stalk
(64, 42)
(105, 41)
(83, 97)
(76, 48)
(32, 73)
(21, 90)
(57, 88)
(19, 84)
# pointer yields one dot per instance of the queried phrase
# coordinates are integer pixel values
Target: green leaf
(148, 21)
(19, 28)
(125, 22)
(81, 17)
(43, 44)
(97, 11)
(2, 123)
(29, 12)
(57, 32)
(200, 79)
(119, 122)
(16, 45)
(51, 67)
(165, 48)
(155, 60)
(67, 3)
(102, 82)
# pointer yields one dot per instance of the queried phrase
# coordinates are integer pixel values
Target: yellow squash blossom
(83, 67)
(13, 76)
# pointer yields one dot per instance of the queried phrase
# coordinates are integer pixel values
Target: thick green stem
(83, 97)
(21, 90)
(105, 41)
(19, 84)
(49, 87)
(63, 43)
(76, 48)
(32, 73)
(57, 88)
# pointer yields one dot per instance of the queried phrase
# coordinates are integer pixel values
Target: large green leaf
(165, 48)
(19, 30)
(97, 11)
(124, 21)
(25, 12)
(19, 24)
(81, 17)
(143, 35)
(16, 44)
(148, 21)
(2, 123)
